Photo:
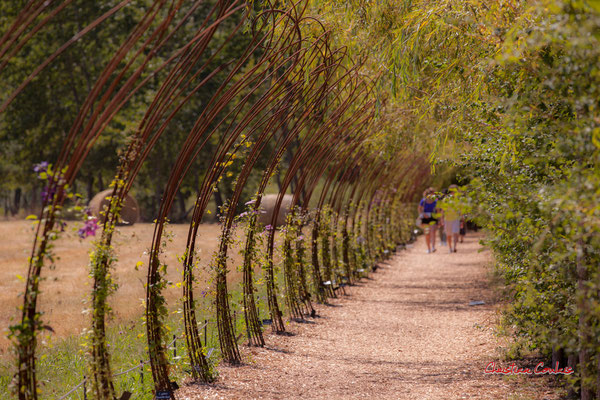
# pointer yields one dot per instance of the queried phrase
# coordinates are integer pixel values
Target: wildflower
(268, 227)
(250, 202)
(89, 226)
(48, 193)
(41, 167)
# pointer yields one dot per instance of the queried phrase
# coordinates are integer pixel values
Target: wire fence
(172, 346)
(139, 366)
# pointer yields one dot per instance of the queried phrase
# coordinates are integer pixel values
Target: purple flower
(268, 227)
(89, 228)
(250, 202)
(300, 238)
(48, 193)
(242, 215)
(41, 167)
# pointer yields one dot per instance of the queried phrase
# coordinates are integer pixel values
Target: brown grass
(66, 288)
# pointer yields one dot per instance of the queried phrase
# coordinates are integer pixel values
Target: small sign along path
(407, 332)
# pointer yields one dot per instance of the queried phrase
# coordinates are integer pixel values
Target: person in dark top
(428, 214)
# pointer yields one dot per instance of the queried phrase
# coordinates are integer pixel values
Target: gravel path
(407, 332)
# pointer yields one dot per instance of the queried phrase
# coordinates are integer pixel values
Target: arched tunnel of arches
(290, 93)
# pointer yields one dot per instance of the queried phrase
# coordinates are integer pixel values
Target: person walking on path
(428, 215)
(441, 226)
(452, 218)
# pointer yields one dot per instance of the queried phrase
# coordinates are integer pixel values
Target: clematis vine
(48, 192)
(41, 167)
(89, 226)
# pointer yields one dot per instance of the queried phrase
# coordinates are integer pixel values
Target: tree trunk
(583, 329)
(100, 182)
(16, 201)
(182, 211)
(598, 377)
(156, 202)
(35, 199)
(278, 180)
(90, 187)
(558, 356)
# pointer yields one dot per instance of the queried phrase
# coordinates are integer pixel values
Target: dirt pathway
(408, 332)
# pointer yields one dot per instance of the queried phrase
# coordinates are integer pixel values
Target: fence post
(247, 330)
(174, 346)
(84, 388)
(234, 321)
(142, 373)
(205, 336)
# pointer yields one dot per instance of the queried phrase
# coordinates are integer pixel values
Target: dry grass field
(66, 288)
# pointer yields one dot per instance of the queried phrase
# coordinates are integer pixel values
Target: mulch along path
(406, 332)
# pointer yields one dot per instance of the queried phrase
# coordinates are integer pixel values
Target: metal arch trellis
(299, 87)
(274, 122)
(273, 307)
(312, 158)
(229, 349)
(27, 330)
(308, 144)
(201, 204)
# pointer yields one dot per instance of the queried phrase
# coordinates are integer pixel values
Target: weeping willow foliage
(506, 92)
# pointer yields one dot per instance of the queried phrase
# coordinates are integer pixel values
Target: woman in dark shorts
(427, 212)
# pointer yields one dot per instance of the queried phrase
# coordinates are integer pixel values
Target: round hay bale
(267, 206)
(130, 211)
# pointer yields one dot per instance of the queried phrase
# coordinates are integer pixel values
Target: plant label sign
(163, 395)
